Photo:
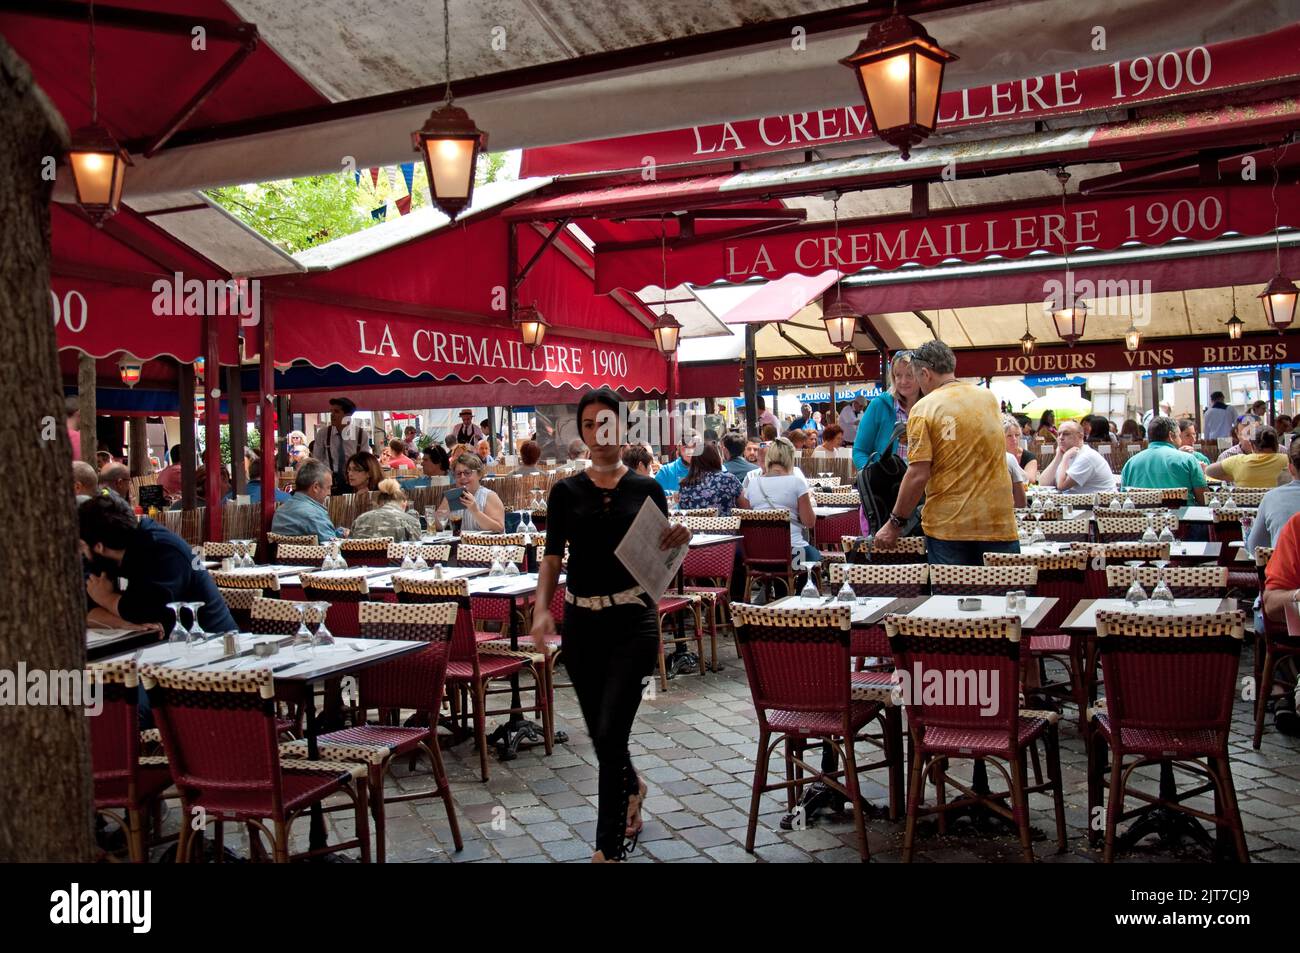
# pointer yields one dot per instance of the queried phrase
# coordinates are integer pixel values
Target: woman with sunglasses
(883, 427)
(611, 636)
(484, 512)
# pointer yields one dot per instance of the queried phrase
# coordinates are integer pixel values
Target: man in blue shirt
(805, 421)
(1163, 466)
(254, 487)
(305, 513)
(1278, 505)
(670, 476)
(733, 448)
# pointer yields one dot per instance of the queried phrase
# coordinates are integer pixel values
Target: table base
(511, 734)
(1169, 825)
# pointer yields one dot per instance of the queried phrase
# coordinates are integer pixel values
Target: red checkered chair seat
(988, 741)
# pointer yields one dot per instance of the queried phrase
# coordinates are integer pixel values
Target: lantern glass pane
(451, 163)
(667, 339)
(93, 172)
(929, 77)
(888, 85)
(1281, 308)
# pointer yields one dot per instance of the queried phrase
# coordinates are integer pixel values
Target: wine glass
(302, 639)
(1229, 503)
(1136, 595)
(537, 497)
(407, 562)
(178, 632)
(512, 568)
(250, 547)
(497, 569)
(1213, 501)
(339, 561)
(431, 518)
(419, 561)
(1167, 531)
(196, 630)
(323, 635)
(1115, 502)
(1162, 594)
(1149, 535)
(846, 593)
(1128, 500)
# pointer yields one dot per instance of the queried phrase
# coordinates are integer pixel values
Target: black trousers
(607, 654)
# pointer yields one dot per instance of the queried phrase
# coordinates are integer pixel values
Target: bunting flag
(356, 177)
(380, 214)
(374, 177)
(391, 172)
(408, 173)
(403, 205)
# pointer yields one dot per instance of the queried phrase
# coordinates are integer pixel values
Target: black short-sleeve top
(593, 521)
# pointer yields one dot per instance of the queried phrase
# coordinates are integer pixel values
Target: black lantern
(1235, 324)
(1279, 300)
(1132, 337)
(449, 142)
(667, 330)
(98, 162)
(841, 321)
(899, 68)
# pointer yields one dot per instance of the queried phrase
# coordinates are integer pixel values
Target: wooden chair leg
(1263, 690)
(444, 789)
(851, 782)
(363, 818)
(480, 727)
(1226, 793)
(376, 781)
(1054, 774)
(760, 782)
(897, 761)
(1114, 805)
(135, 836)
(663, 668)
(1020, 804)
(941, 792)
(913, 802)
(280, 849)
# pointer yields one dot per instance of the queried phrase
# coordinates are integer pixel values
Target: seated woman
(364, 472)
(1263, 468)
(779, 486)
(297, 446)
(397, 458)
(637, 458)
(529, 453)
(1047, 425)
(389, 518)
(484, 512)
(707, 485)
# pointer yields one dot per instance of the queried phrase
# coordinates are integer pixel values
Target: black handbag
(878, 484)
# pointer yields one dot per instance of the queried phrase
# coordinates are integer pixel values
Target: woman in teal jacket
(876, 429)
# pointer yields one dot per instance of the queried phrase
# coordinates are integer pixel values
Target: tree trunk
(86, 400)
(138, 450)
(45, 800)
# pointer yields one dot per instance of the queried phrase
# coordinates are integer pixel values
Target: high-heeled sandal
(633, 815)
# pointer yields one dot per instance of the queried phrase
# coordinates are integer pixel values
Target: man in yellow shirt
(956, 457)
(1263, 469)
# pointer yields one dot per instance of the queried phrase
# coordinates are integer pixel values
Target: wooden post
(1196, 399)
(237, 414)
(265, 399)
(185, 397)
(212, 428)
(138, 446)
(86, 384)
(284, 417)
(46, 812)
(751, 382)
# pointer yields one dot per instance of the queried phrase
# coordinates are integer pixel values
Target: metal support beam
(212, 429)
(926, 322)
(223, 73)
(185, 409)
(265, 403)
(751, 381)
(541, 250)
(237, 414)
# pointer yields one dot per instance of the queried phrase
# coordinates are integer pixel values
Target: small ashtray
(263, 649)
(970, 604)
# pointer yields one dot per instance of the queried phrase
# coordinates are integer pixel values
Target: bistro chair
(1140, 498)
(797, 664)
(976, 651)
(486, 609)
(273, 541)
(293, 554)
(501, 539)
(469, 672)
(1060, 531)
(1278, 644)
(1246, 496)
(1063, 576)
(909, 549)
(240, 604)
(218, 550)
(343, 593)
(765, 550)
(1079, 501)
(219, 730)
(1185, 582)
(707, 571)
(1129, 525)
(281, 617)
(1171, 682)
(128, 783)
(263, 583)
(1174, 498)
(411, 682)
(673, 605)
(1227, 529)
(431, 553)
(372, 551)
(1049, 511)
(982, 580)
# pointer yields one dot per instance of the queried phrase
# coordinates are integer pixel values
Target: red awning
(970, 235)
(434, 305)
(780, 300)
(127, 288)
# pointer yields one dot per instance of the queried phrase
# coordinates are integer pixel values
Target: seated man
(670, 476)
(436, 467)
(1162, 466)
(169, 478)
(398, 459)
(305, 513)
(1282, 587)
(736, 460)
(1278, 506)
(253, 489)
(85, 481)
(1077, 467)
(117, 478)
(158, 566)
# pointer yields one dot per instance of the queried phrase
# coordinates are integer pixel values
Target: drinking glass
(497, 569)
(1136, 595)
(323, 635)
(1149, 535)
(846, 593)
(1162, 594)
(1167, 532)
(178, 632)
(1229, 503)
(1115, 503)
(431, 518)
(196, 630)
(419, 562)
(407, 562)
(302, 639)
(1128, 501)
(1213, 501)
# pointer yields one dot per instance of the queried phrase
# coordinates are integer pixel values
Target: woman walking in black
(610, 631)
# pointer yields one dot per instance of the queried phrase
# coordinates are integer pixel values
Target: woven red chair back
(115, 731)
(711, 562)
(1170, 673)
(413, 681)
(962, 674)
(342, 615)
(795, 660)
(766, 544)
(220, 736)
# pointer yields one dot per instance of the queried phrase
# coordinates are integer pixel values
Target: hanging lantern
(98, 162)
(667, 330)
(532, 326)
(98, 170)
(1132, 337)
(449, 142)
(1235, 324)
(899, 68)
(1068, 314)
(1279, 300)
(128, 368)
(841, 321)
(851, 355)
(1028, 342)
(1070, 321)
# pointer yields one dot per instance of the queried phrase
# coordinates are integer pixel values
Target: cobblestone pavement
(694, 745)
